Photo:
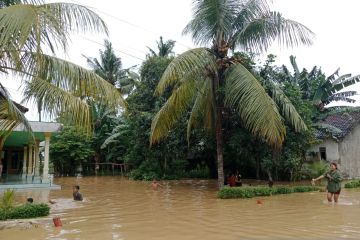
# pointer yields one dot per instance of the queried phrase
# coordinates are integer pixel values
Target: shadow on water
(117, 208)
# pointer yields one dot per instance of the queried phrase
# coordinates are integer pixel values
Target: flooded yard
(117, 208)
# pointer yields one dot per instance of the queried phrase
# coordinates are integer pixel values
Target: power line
(98, 43)
(127, 22)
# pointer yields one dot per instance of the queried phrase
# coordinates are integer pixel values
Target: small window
(322, 151)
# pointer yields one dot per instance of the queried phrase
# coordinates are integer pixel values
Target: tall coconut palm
(211, 80)
(28, 33)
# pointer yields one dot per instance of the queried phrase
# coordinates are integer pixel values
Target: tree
(165, 49)
(329, 90)
(320, 89)
(28, 31)
(109, 66)
(212, 81)
(70, 149)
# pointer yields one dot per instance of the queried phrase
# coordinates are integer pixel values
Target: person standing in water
(76, 194)
(334, 182)
(155, 184)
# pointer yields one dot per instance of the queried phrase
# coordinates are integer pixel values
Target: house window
(322, 151)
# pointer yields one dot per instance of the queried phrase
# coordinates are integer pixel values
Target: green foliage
(8, 199)
(316, 168)
(353, 184)
(282, 190)
(249, 192)
(25, 211)
(306, 188)
(148, 170)
(69, 149)
(109, 65)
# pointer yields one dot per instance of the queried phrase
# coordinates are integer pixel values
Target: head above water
(76, 188)
(30, 200)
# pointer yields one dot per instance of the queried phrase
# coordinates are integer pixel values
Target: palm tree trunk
(219, 148)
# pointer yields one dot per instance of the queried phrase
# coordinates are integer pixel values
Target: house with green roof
(21, 152)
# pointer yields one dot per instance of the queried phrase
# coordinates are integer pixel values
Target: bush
(198, 172)
(25, 211)
(282, 190)
(306, 189)
(353, 184)
(249, 192)
(148, 170)
(316, 168)
(8, 199)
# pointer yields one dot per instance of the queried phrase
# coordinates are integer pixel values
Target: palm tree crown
(210, 80)
(165, 49)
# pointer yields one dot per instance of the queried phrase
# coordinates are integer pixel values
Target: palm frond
(172, 110)
(259, 33)
(203, 111)
(249, 10)
(72, 78)
(28, 25)
(212, 19)
(56, 101)
(10, 115)
(257, 110)
(198, 59)
(287, 109)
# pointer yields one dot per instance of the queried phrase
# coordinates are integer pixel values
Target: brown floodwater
(117, 208)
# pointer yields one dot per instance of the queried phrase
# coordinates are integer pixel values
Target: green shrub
(198, 172)
(25, 211)
(306, 188)
(282, 190)
(8, 199)
(249, 192)
(236, 192)
(315, 169)
(353, 184)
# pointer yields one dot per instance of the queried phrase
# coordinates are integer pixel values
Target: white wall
(346, 153)
(350, 153)
(332, 150)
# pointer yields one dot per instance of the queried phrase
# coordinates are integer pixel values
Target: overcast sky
(136, 24)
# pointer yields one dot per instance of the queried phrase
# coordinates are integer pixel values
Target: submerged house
(342, 145)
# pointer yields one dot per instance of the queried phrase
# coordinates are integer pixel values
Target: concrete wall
(332, 150)
(346, 153)
(349, 149)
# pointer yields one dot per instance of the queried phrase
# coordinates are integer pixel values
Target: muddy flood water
(117, 208)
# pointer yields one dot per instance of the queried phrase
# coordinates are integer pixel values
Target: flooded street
(116, 208)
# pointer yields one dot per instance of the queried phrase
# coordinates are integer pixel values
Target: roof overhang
(20, 137)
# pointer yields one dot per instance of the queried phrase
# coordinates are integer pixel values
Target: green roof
(21, 137)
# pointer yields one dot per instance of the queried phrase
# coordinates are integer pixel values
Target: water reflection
(116, 208)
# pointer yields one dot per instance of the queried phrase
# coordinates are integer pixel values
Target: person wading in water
(334, 182)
